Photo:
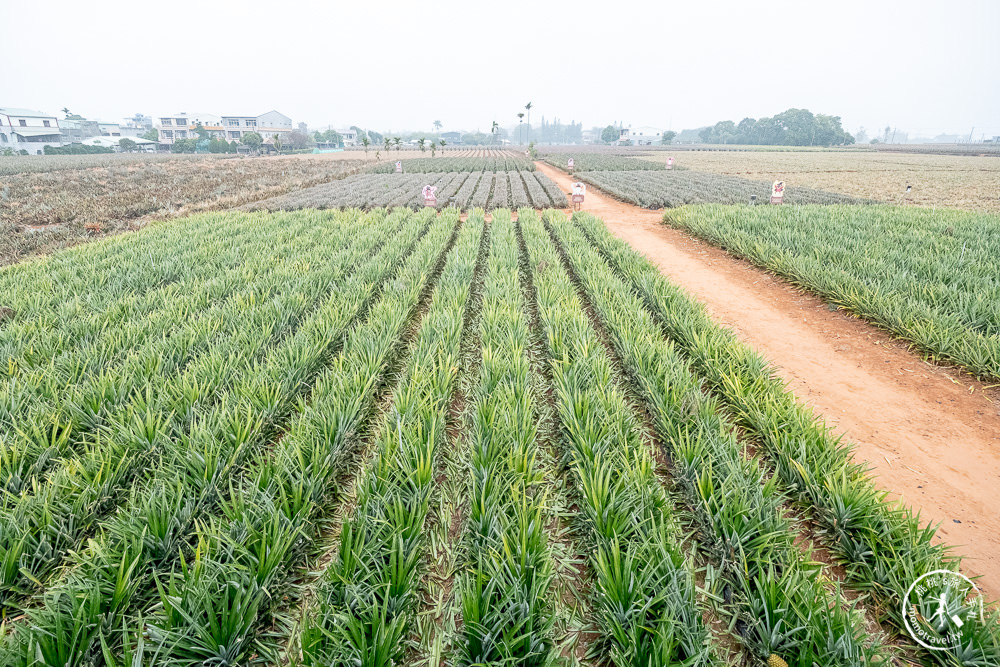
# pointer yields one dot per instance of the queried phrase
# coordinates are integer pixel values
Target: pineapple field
(382, 436)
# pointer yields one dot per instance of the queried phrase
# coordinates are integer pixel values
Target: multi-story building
(29, 130)
(266, 125)
(230, 128)
(182, 126)
(75, 130)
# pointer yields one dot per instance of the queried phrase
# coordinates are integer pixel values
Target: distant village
(34, 132)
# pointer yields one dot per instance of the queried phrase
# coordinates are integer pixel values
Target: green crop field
(391, 436)
(930, 277)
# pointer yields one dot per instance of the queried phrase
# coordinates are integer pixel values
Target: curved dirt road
(930, 434)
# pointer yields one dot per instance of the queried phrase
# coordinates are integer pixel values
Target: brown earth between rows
(930, 433)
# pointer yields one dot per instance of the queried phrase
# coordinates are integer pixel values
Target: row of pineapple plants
(55, 409)
(365, 604)
(781, 602)
(210, 608)
(191, 468)
(504, 589)
(53, 513)
(644, 598)
(883, 546)
(92, 278)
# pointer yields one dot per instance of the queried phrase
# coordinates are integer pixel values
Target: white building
(643, 136)
(266, 125)
(27, 129)
(110, 129)
(182, 125)
(143, 145)
(349, 137)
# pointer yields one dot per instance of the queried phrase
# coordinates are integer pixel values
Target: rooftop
(30, 113)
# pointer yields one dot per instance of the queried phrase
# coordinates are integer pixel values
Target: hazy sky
(923, 66)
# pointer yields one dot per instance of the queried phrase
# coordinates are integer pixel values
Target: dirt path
(931, 435)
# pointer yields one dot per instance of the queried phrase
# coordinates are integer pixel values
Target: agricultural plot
(930, 277)
(51, 200)
(333, 438)
(669, 189)
(452, 164)
(601, 162)
(965, 182)
(464, 190)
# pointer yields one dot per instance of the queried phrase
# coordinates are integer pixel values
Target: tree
(201, 131)
(520, 119)
(668, 136)
(422, 143)
(861, 135)
(494, 130)
(388, 143)
(277, 141)
(359, 133)
(127, 145)
(442, 143)
(233, 147)
(527, 108)
(885, 136)
(65, 111)
(152, 134)
(217, 146)
(253, 141)
(375, 137)
(437, 126)
(366, 142)
(298, 139)
(184, 146)
(434, 148)
(610, 134)
(397, 142)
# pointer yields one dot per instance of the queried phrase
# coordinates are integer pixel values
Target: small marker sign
(777, 192)
(570, 163)
(670, 163)
(579, 190)
(399, 166)
(429, 197)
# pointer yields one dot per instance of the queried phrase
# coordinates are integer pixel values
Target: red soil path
(931, 434)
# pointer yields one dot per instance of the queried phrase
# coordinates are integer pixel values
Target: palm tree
(520, 119)
(423, 144)
(65, 111)
(366, 142)
(494, 132)
(437, 126)
(397, 142)
(388, 143)
(528, 109)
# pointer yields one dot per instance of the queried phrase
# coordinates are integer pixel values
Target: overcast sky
(923, 66)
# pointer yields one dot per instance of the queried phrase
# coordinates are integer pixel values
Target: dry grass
(44, 210)
(966, 182)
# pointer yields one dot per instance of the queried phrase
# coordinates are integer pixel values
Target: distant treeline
(795, 127)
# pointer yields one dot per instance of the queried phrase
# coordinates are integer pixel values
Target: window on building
(46, 123)
(182, 122)
(166, 121)
(168, 134)
(251, 123)
(23, 123)
(234, 135)
(3, 138)
(233, 122)
(182, 134)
